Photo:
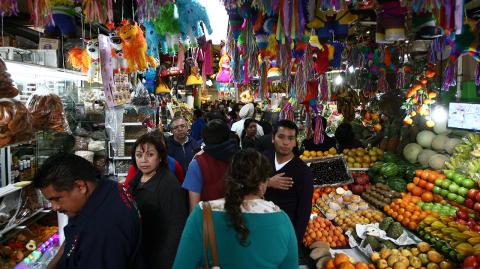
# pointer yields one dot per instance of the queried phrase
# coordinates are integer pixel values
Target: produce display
(380, 195)
(317, 154)
(343, 261)
(443, 208)
(451, 238)
(361, 182)
(362, 157)
(422, 184)
(406, 211)
(393, 172)
(454, 187)
(321, 229)
(466, 156)
(468, 219)
(17, 248)
(421, 256)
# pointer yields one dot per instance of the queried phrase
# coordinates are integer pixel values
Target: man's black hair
(61, 170)
(285, 124)
(215, 132)
(198, 113)
(216, 115)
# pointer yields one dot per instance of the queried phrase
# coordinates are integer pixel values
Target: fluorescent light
(439, 114)
(31, 72)
(338, 80)
(351, 69)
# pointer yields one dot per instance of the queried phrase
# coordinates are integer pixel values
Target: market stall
(394, 84)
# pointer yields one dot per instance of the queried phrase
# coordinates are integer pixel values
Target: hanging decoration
(134, 47)
(97, 11)
(147, 10)
(191, 14)
(390, 22)
(40, 12)
(87, 60)
(8, 8)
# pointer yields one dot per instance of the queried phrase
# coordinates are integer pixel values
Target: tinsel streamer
(449, 76)
(318, 136)
(93, 11)
(400, 79)
(308, 124)
(8, 8)
(252, 51)
(41, 12)
(323, 87)
(477, 75)
(425, 5)
(299, 81)
(382, 83)
(436, 47)
(263, 80)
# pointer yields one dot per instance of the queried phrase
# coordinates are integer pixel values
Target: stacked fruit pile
(306, 154)
(362, 157)
(451, 238)
(422, 256)
(321, 229)
(406, 211)
(343, 261)
(454, 187)
(380, 195)
(361, 182)
(423, 184)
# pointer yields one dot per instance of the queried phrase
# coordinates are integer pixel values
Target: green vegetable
(395, 230)
(397, 184)
(387, 221)
(389, 169)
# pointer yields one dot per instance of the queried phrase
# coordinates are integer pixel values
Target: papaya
(465, 249)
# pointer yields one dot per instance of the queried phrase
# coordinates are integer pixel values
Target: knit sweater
(297, 201)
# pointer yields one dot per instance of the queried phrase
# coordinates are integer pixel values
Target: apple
(477, 197)
(444, 192)
(469, 202)
(446, 183)
(462, 191)
(452, 196)
(457, 177)
(453, 188)
(476, 207)
(460, 199)
(436, 190)
(462, 221)
(462, 214)
(439, 182)
(449, 173)
(468, 183)
(472, 193)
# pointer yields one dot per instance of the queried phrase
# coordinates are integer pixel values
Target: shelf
(11, 188)
(122, 158)
(130, 140)
(358, 169)
(132, 123)
(6, 230)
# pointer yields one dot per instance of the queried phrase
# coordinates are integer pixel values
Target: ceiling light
(351, 69)
(338, 80)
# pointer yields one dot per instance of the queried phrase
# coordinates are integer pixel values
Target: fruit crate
(330, 171)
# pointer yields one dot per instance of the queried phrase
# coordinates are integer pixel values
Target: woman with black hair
(249, 137)
(249, 231)
(161, 202)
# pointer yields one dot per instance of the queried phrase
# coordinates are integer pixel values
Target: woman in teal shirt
(250, 232)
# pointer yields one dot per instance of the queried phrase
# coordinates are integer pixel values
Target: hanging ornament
(8, 8)
(97, 11)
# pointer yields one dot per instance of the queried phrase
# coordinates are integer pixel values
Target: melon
(439, 142)
(424, 138)
(441, 128)
(451, 143)
(437, 161)
(425, 156)
(411, 151)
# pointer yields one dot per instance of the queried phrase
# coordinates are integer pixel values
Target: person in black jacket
(161, 202)
(249, 137)
(180, 145)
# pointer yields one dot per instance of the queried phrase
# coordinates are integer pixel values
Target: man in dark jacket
(181, 146)
(291, 186)
(205, 176)
(197, 125)
(104, 227)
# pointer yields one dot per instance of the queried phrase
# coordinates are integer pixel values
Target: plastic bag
(47, 111)
(141, 98)
(15, 122)
(113, 126)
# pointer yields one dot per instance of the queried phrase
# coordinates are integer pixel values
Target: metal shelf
(6, 230)
(358, 169)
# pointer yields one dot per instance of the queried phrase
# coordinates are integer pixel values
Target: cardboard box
(48, 44)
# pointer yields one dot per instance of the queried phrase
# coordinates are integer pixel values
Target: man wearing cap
(205, 175)
(247, 111)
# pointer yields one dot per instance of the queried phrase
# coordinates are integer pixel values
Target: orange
(330, 264)
(427, 196)
(422, 183)
(341, 258)
(361, 265)
(410, 186)
(346, 265)
(418, 172)
(417, 191)
(416, 180)
(425, 174)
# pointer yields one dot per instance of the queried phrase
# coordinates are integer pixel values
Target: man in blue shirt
(104, 226)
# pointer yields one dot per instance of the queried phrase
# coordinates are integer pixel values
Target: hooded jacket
(183, 153)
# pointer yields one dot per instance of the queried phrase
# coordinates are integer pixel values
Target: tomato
(470, 262)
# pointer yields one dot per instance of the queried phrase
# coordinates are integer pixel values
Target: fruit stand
(401, 212)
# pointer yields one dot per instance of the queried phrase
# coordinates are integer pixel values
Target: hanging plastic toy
(135, 47)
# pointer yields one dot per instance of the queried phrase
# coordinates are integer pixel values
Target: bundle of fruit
(306, 154)
(343, 261)
(380, 195)
(362, 157)
(406, 211)
(470, 220)
(320, 229)
(348, 219)
(423, 184)
(453, 239)
(465, 156)
(454, 187)
(443, 208)
(421, 256)
(361, 182)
